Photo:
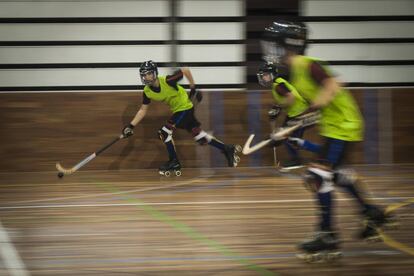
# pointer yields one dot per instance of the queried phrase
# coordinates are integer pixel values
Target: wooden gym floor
(242, 221)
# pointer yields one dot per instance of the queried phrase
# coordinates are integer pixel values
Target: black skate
(324, 247)
(375, 221)
(230, 152)
(168, 167)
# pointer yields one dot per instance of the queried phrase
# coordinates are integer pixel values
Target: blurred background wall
(69, 77)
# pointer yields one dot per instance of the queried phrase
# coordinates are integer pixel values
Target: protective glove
(274, 112)
(196, 93)
(128, 130)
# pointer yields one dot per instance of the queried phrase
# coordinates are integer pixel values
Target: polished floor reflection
(243, 221)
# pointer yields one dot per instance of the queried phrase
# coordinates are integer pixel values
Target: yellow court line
(387, 239)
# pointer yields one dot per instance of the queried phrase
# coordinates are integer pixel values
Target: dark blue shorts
(184, 120)
(333, 152)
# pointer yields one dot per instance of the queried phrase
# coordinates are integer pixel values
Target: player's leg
(193, 126)
(294, 160)
(165, 134)
(229, 151)
(325, 243)
(304, 144)
(373, 216)
(348, 180)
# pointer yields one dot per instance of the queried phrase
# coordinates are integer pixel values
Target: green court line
(190, 232)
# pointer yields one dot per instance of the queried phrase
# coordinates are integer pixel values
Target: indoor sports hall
(70, 82)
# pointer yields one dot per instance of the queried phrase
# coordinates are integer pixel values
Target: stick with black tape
(63, 171)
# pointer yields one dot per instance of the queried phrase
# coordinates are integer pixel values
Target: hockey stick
(279, 135)
(63, 171)
(282, 133)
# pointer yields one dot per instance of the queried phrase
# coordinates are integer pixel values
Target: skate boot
(375, 220)
(230, 152)
(324, 247)
(170, 166)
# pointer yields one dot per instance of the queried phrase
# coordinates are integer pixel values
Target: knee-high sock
(353, 191)
(216, 143)
(347, 180)
(325, 201)
(202, 137)
(172, 154)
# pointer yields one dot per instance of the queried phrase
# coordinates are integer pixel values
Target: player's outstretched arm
(128, 129)
(194, 92)
(189, 76)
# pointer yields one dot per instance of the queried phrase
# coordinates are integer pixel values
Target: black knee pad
(165, 134)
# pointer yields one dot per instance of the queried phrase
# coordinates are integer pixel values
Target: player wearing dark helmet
(167, 89)
(340, 125)
(286, 98)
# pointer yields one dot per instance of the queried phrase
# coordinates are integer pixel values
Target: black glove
(127, 131)
(196, 93)
(274, 112)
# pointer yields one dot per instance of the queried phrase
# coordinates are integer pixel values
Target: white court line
(10, 256)
(186, 203)
(181, 183)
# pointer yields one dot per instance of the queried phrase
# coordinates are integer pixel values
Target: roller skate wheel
(374, 239)
(315, 258)
(333, 256)
(311, 258)
(237, 159)
(238, 148)
(177, 173)
(164, 173)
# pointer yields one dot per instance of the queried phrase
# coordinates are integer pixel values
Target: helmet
(281, 36)
(146, 68)
(266, 74)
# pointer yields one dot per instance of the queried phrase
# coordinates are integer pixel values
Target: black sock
(351, 189)
(216, 143)
(171, 150)
(325, 201)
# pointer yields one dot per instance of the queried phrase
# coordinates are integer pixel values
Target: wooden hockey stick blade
(62, 169)
(248, 150)
(285, 132)
(87, 159)
(76, 167)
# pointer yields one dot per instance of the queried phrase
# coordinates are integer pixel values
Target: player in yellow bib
(167, 89)
(288, 100)
(341, 124)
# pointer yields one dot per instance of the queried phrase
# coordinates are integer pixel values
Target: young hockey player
(167, 89)
(286, 99)
(341, 124)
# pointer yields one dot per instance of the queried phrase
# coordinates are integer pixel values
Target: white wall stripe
(99, 8)
(356, 7)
